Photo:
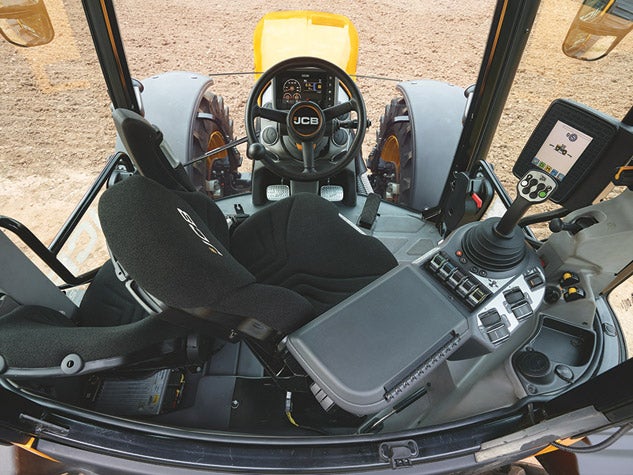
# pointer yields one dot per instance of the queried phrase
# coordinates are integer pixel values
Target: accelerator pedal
(370, 211)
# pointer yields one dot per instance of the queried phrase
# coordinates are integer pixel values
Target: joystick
(535, 187)
(498, 244)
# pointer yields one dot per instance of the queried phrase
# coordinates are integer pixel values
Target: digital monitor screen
(561, 149)
(301, 86)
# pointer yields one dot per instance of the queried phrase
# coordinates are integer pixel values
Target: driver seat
(281, 268)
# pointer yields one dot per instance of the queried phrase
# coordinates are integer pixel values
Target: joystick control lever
(535, 187)
(499, 244)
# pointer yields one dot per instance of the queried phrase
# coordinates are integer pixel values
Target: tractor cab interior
(310, 305)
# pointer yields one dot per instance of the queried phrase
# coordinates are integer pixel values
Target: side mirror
(25, 23)
(598, 27)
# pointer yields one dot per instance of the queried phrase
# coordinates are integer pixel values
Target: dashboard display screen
(561, 149)
(296, 86)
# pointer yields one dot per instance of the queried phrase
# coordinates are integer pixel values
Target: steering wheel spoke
(275, 115)
(340, 109)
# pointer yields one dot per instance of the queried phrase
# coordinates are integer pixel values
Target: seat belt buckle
(238, 218)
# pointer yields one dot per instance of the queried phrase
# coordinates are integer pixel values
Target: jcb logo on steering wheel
(305, 120)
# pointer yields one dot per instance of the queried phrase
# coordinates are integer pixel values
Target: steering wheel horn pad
(306, 122)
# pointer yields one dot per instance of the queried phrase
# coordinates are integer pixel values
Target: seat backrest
(164, 244)
(149, 153)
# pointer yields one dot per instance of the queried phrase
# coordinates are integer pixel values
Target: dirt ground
(55, 129)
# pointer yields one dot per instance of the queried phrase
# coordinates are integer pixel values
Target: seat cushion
(38, 337)
(301, 243)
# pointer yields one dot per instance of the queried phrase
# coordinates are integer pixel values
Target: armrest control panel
(380, 345)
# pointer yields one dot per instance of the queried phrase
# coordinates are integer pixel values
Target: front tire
(391, 160)
(217, 174)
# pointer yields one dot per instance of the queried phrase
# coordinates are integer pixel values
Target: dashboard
(303, 84)
(293, 86)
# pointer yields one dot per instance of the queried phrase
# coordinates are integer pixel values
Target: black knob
(552, 294)
(256, 151)
(556, 225)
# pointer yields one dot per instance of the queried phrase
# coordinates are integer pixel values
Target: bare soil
(55, 129)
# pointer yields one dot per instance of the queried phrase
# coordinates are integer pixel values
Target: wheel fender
(170, 101)
(435, 113)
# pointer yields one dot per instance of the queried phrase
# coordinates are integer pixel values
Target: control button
(483, 273)
(476, 297)
(540, 186)
(534, 280)
(513, 296)
(466, 287)
(269, 135)
(568, 279)
(490, 318)
(574, 293)
(552, 294)
(522, 311)
(437, 262)
(463, 260)
(498, 335)
(474, 270)
(447, 269)
(524, 183)
(533, 181)
(459, 253)
(564, 372)
(533, 195)
(525, 190)
(455, 279)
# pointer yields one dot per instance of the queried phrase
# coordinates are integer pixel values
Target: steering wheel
(305, 124)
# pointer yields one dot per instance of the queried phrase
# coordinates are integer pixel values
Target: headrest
(166, 246)
(144, 144)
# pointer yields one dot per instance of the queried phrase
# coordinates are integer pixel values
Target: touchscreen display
(563, 146)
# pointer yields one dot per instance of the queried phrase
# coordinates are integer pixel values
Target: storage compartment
(564, 343)
(556, 357)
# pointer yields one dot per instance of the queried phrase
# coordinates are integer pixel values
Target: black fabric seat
(107, 331)
(282, 267)
(302, 244)
(35, 340)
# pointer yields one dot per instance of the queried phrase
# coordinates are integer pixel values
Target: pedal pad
(277, 192)
(370, 211)
(333, 193)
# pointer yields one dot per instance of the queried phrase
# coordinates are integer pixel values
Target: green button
(542, 194)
